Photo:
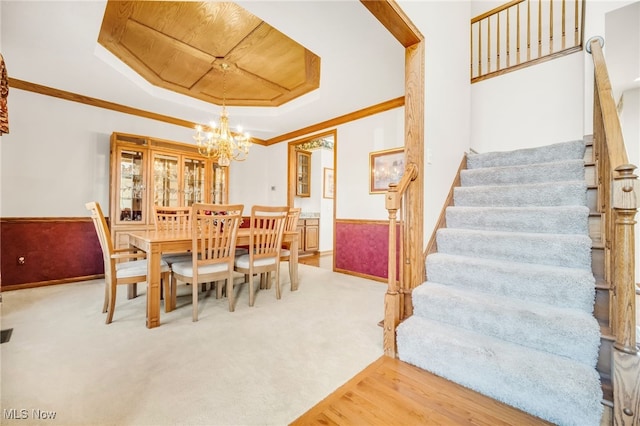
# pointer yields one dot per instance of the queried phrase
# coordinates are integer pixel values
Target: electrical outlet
(21, 260)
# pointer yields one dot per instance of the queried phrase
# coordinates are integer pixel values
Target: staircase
(508, 305)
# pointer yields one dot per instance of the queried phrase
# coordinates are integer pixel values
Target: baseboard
(51, 282)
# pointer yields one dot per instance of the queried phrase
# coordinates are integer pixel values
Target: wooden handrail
(394, 300)
(618, 200)
(618, 204)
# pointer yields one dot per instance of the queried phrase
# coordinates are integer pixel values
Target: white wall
(56, 156)
(622, 51)
(355, 140)
(595, 26)
(530, 107)
(445, 27)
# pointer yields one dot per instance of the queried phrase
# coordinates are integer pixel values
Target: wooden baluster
(564, 26)
(518, 33)
(528, 30)
(551, 27)
(479, 47)
(488, 45)
(575, 23)
(498, 42)
(539, 28)
(508, 39)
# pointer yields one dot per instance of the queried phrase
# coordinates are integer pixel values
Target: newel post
(392, 297)
(625, 203)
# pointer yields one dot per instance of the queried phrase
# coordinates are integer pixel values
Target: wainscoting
(45, 251)
(361, 248)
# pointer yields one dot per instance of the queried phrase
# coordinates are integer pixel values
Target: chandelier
(218, 141)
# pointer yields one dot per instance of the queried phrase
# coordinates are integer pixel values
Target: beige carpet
(264, 365)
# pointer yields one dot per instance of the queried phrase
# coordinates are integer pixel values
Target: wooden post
(392, 297)
(625, 203)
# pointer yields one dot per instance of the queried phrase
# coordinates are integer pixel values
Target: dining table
(156, 243)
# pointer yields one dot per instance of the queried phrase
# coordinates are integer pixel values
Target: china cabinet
(148, 171)
(303, 173)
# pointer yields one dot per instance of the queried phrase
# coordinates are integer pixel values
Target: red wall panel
(54, 249)
(362, 247)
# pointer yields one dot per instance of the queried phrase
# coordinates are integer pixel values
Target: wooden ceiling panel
(239, 90)
(199, 24)
(164, 56)
(181, 45)
(257, 52)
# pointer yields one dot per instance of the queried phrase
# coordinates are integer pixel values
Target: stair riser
(572, 335)
(557, 194)
(604, 358)
(597, 262)
(559, 287)
(558, 220)
(551, 387)
(595, 229)
(556, 152)
(592, 199)
(557, 250)
(537, 173)
(601, 307)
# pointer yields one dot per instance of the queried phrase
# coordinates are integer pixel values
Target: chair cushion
(186, 268)
(243, 261)
(241, 250)
(137, 267)
(176, 257)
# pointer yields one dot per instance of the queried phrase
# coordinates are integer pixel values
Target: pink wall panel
(362, 247)
(53, 250)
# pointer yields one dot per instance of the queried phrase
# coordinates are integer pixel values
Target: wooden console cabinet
(309, 235)
(148, 171)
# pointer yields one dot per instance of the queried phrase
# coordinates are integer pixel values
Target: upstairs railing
(618, 200)
(398, 290)
(523, 32)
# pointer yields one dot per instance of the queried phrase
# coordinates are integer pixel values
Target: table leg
(153, 287)
(293, 264)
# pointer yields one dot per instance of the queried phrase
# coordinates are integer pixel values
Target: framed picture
(385, 167)
(327, 188)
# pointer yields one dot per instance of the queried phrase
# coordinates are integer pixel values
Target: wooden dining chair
(115, 271)
(214, 231)
(291, 225)
(265, 243)
(173, 219)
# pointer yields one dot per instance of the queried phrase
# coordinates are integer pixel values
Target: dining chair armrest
(118, 256)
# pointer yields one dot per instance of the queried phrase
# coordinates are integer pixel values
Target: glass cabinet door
(303, 170)
(166, 187)
(218, 184)
(131, 189)
(193, 181)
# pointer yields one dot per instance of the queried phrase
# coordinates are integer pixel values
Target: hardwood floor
(391, 392)
(321, 261)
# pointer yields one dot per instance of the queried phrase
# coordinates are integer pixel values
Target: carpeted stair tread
(569, 193)
(555, 285)
(545, 219)
(551, 387)
(557, 171)
(562, 331)
(546, 249)
(571, 150)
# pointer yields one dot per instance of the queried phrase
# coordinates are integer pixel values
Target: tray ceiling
(181, 46)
